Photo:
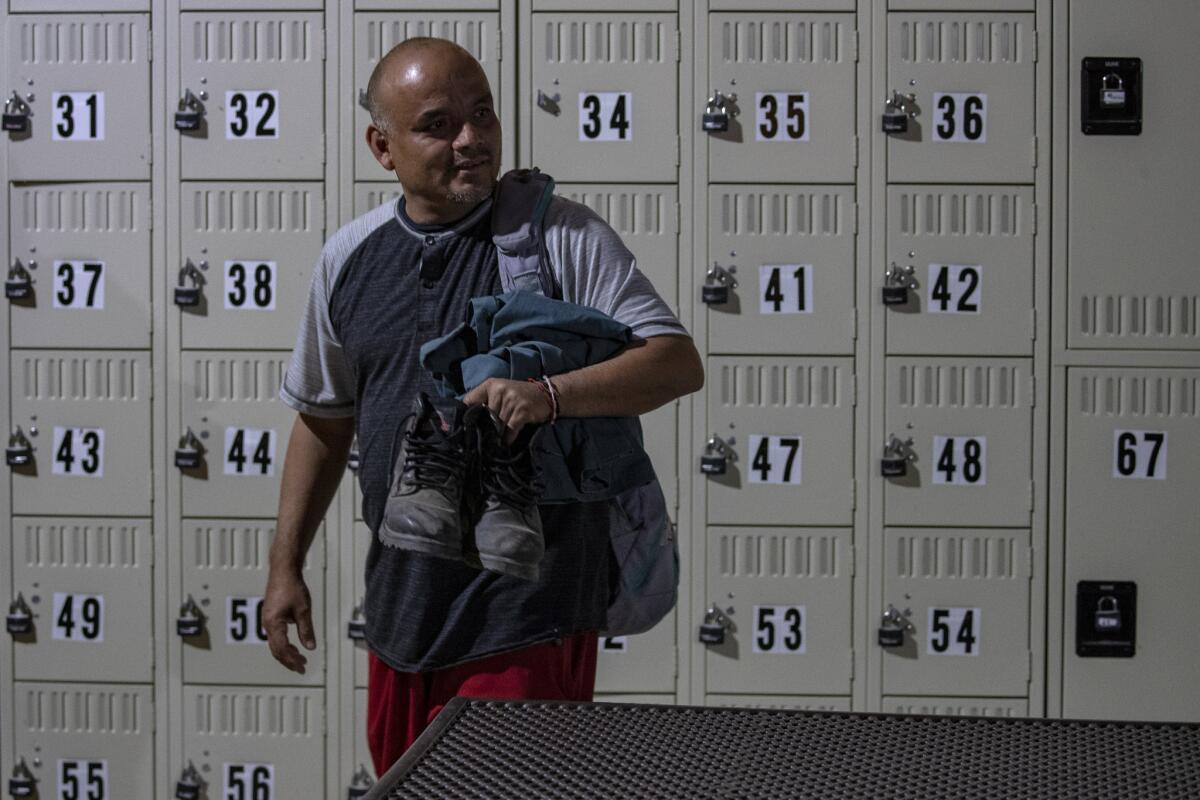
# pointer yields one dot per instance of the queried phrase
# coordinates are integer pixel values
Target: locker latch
(356, 629)
(20, 618)
(896, 283)
(362, 100)
(190, 113)
(1112, 91)
(717, 455)
(897, 453)
(22, 782)
(717, 284)
(893, 627)
(191, 619)
(1108, 614)
(190, 451)
(716, 115)
(19, 452)
(549, 102)
(189, 784)
(187, 292)
(354, 460)
(712, 630)
(16, 114)
(897, 110)
(19, 284)
(360, 784)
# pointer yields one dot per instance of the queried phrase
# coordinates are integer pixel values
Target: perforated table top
(493, 749)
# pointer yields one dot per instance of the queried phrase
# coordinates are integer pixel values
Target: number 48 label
(1140, 454)
(953, 632)
(775, 459)
(960, 460)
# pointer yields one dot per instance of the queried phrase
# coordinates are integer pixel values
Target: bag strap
(518, 216)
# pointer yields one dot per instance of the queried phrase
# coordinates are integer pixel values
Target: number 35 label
(1140, 454)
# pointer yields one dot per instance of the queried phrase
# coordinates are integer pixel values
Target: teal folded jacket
(520, 335)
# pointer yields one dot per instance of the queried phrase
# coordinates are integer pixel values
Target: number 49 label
(953, 632)
(78, 618)
(775, 459)
(1140, 454)
(605, 116)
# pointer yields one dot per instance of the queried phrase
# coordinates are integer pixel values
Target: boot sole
(507, 566)
(419, 544)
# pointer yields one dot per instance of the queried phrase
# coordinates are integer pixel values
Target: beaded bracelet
(546, 393)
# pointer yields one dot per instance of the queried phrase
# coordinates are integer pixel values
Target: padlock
(896, 283)
(896, 455)
(19, 285)
(896, 111)
(22, 783)
(893, 627)
(1112, 91)
(712, 630)
(20, 618)
(360, 784)
(191, 620)
(354, 460)
(716, 116)
(190, 452)
(717, 454)
(19, 452)
(1108, 615)
(16, 115)
(356, 629)
(189, 784)
(190, 113)
(187, 291)
(717, 284)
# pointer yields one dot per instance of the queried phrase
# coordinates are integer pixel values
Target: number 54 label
(953, 632)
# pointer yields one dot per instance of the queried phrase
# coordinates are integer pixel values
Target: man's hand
(517, 403)
(287, 601)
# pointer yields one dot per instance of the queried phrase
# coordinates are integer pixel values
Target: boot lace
(431, 462)
(512, 478)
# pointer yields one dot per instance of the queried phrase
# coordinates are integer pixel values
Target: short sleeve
(596, 269)
(319, 379)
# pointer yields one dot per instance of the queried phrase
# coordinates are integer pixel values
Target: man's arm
(645, 375)
(312, 469)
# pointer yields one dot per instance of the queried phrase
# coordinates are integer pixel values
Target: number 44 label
(249, 451)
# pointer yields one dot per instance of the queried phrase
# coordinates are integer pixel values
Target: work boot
(422, 512)
(508, 534)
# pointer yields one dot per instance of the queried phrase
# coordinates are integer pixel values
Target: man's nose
(469, 135)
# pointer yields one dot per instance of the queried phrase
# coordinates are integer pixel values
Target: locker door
(255, 741)
(792, 252)
(970, 422)
(225, 572)
(972, 253)
(230, 401)
(98, 738)
(643, 663)
(968, 591)
(86, 81)
(362, 762)
(262, 77)
(957, 706)
(973, 77)
(377, 33)
(791, 421)
(87, 248)
(646, 219)
(782, 702)
(362, 543)
(87, 416)
(603, 92)
(1133, 454)
(786, 593)
(255, 246)
(791, 77)
(88, 583)
(370, 195)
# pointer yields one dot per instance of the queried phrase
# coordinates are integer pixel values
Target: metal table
(524, 750)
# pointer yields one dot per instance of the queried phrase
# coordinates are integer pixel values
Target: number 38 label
(780, 629)
(605, 116)
(953, 632)
(775, 459)
(1140, 454)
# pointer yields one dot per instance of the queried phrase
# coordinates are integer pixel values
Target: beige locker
(361, 544)
(647, 662)
(639, 699)
(361, 763)
(958, 706)
(783, 702)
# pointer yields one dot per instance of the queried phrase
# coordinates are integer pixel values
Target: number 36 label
(960, 117)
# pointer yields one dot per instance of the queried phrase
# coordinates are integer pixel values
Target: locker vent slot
(981, 557)
(254, 210)
(79, 42)
(80, 378)
(260, 713)
(783, 214)
(748, 41)
(964, 41)
(53, 544)
(961, 214)
(241, 41)
(772, 555)
(800, 704)
(474, 35)
(245, 379)
(961, 386)
(79, 210)
(1145, 316)
(598, 42)
(955, 708)
(377, 197)
(85, 711)
(1139, 395)
(629, 213)
(232, 547)
(782, 386)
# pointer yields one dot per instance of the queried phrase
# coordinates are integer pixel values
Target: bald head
(406, 62)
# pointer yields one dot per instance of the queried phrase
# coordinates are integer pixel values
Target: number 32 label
(251, 114)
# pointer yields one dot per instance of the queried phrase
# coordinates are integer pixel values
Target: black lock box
(1105, 619)
(1111, 96)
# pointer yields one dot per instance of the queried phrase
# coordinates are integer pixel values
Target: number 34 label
(605, 116)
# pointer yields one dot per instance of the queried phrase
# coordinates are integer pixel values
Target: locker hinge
(1032, 391)
(1032, 492)
(678, 47)
(856, 47)
(678, 147)
(676, 496)
(1035, 151)
(499, 45)
(1033, 222)
(324, 155)
(678, 219)
(1033, 325)
(676, 651)
(150, 45)
(856, 217)
(1037, 44)
(854, 330)
(853, 494)
(1029, 555)
(852, 660)
(853, 561)
(854, 386)
(856, 152)
(1029, 666)
(324, 44)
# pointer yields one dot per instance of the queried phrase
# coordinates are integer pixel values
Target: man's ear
(377, 141)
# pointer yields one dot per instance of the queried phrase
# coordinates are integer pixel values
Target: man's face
(442, 135)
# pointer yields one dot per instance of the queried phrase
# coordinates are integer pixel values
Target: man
(389, 281)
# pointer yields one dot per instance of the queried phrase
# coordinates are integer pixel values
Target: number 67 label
(1140, 454)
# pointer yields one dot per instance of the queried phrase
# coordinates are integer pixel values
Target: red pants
(401, 704)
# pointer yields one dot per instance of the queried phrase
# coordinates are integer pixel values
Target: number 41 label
(785, 289)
